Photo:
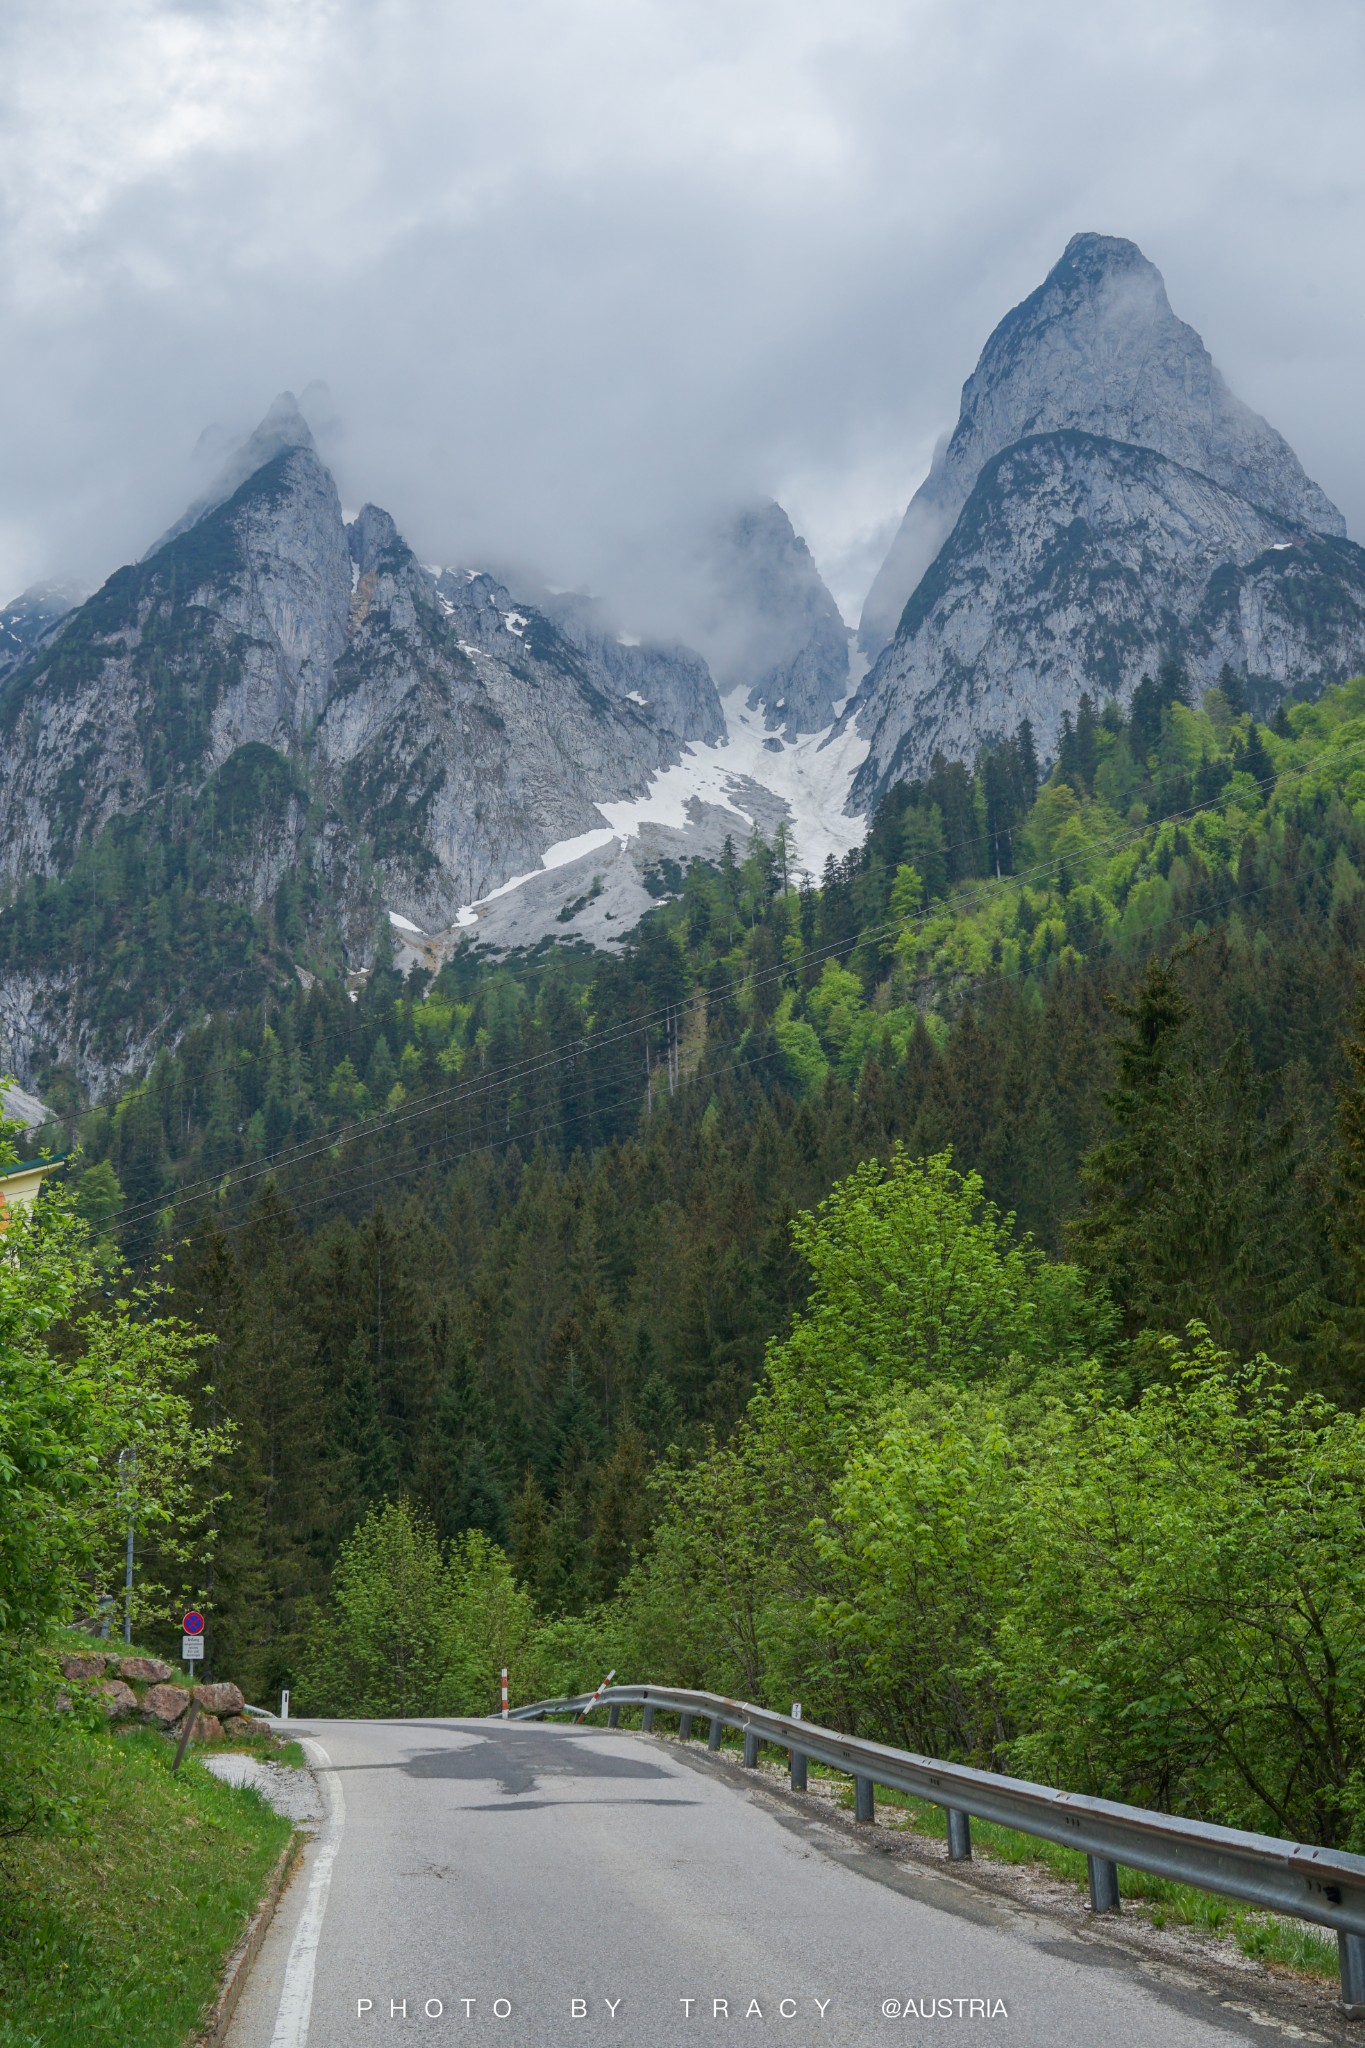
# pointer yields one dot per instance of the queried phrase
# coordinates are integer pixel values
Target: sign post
(192, 1637)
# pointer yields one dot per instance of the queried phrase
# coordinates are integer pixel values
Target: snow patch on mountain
(811, 775)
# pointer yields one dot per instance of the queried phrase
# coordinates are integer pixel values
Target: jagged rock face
(32, 619)
(1096, 348)
(1069, 562)
(282, 429)
(669, 679)
(1104, 501)
(464, 733)
(222, 639)
(302, 703)
(767, 624)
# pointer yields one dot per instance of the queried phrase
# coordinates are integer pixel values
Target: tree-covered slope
(497, 1241)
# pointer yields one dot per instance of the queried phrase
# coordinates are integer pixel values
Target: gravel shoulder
(293, 1792)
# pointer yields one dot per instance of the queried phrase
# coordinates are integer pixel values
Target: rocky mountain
(279, 744)
(31, 619)
(766, 623)
(1104, 500)
(279, 736)
(669, 679)
(306, 726)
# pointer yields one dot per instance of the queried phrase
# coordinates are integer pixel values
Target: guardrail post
(750, 1749)
(713, 1740)
(1104, 1884)
(864, 1800)
(647, 1721)
(798, 1771)
(959, 1835)
(684, 1728)
(1351, 1948)
(614, 1714)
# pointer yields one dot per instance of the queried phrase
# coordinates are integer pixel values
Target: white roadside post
(504, 1692)
(284, 1704)
(798, 1760)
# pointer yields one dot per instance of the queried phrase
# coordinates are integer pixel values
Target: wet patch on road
(517, 1761)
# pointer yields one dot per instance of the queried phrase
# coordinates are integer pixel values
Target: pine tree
(1195, 1203)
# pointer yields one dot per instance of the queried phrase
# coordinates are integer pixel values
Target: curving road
(537, 1886)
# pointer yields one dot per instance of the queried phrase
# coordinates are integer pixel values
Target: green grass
(1291, 1944)
(120, 1904)
(264, 1743)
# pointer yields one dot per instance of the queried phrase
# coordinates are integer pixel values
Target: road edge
(213, 2032)
(1286, 2004)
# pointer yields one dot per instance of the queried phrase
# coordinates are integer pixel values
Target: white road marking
(296, 1997)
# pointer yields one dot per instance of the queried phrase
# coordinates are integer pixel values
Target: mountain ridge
(1080, 352)
(1036, 579)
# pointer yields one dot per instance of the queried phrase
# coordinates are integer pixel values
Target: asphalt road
(532, 1886)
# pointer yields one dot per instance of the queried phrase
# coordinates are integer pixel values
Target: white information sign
(191, 1647)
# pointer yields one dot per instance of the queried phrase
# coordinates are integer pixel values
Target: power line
(966, 897)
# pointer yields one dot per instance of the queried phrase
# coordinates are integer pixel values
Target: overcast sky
(572, 269)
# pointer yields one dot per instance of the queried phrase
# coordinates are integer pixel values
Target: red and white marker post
(596, 1696)
(504, 1692)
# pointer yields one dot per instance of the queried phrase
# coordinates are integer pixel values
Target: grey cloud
(573, 277)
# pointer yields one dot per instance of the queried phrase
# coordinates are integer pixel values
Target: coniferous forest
(911, 1257)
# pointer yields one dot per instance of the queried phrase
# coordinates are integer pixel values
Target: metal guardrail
(1326, 1886)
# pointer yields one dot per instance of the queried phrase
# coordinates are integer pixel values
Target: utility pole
(127, 1475)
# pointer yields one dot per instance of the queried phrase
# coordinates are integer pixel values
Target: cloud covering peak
(573, 276)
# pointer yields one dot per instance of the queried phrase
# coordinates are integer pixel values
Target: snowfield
(811, 776)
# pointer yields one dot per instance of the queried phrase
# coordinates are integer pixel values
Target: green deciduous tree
(1188, 1617)
(83, 1378)
(413, 1626)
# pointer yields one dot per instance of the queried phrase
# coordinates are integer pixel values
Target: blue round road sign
(193, 1624)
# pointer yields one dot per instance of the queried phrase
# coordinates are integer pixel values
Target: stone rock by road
(89, 1666)
(119, 1699)
(223, 1698)
(151, 1670)
(165, 1703)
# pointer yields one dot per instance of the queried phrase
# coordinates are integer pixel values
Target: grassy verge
(120, 1904)
(1292, 1944)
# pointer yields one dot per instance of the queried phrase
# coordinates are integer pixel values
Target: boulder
(119, 1699)
(164, 1703)
(62, 1702)
(147, 1670)
(207, 1728)
(91, 1665)
(240, 1724)
(223, 1698)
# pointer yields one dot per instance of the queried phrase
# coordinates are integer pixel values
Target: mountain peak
(283, 427)
(1092, 253)
(770, 625)
(1095, 349)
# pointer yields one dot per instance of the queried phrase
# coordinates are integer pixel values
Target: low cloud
(573, 276)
